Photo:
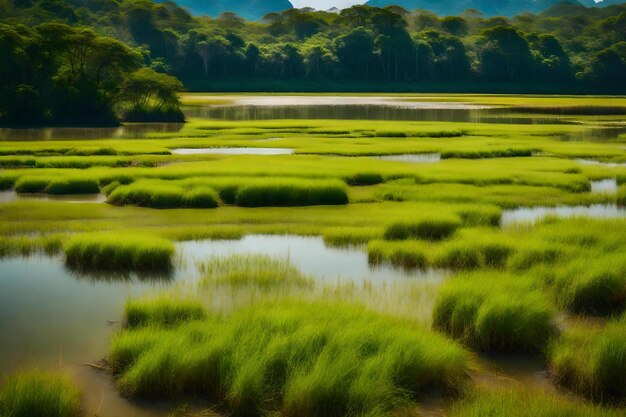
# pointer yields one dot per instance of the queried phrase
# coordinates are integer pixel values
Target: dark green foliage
(567, 49)
(54, 73)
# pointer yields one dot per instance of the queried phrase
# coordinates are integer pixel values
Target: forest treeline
(566, 49)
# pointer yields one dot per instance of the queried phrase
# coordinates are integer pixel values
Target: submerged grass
(39, 394)
(593, 361)
(98, 251)
(253, 270)
(299, 359)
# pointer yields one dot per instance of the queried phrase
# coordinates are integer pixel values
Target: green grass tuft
(99, 251)
(162, 312)
(292, 193)
(296, 359)
(38, 394)
(73, 186)
(495, 312)
(437, 228)
(501, 402)
(593, 361)
(597, 287)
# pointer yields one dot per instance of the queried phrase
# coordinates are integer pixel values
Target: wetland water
(10, 196)
(71, 317)
(531, 215)
(317, 107)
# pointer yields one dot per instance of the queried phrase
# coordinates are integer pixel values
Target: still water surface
(70, 317)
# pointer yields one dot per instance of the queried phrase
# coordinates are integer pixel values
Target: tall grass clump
(592, 362)
(162, 312)
(364, 178)
(38, 394)
(410, 254)
(501, 402)
(290, 358)
(162, 195)
(253, 270)
(595, 286)
(99, 251)
(72, 185)
(435, 228)
(31, 184)
(292, 193)
(495, 312)
(621, 195)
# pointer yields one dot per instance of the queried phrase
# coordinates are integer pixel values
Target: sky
(325, 4)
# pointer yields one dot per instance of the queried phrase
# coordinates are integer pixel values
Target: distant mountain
(487, 7)
(249, 9)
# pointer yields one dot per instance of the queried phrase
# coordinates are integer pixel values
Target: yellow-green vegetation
(39, 394)
(254, 270)
(524, 403)
(495, 312)
(111, 252)
(593, 361)
(299, 359)
(255, 336)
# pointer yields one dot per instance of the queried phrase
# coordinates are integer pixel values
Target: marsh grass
(621, 196)
(73, 186)
(161, 195)
(252, 270)
(524, 402)
(296, 358)
(495, 312)
(161, 312)
(97, 251)
(60, 184)
(593, 361)
(39, 394)
(364, 178)
(593, 287)
(436, 228)
(292, 193)
(49, 244)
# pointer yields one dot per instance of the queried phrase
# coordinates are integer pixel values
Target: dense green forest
(86, 62)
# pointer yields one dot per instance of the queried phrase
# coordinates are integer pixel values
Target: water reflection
(534, 214)
(413, 158)
(310, 255)
(11, 196)
(381, 111)
(232, 151)
(601, 163)
(128, 131)
(608, 186)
